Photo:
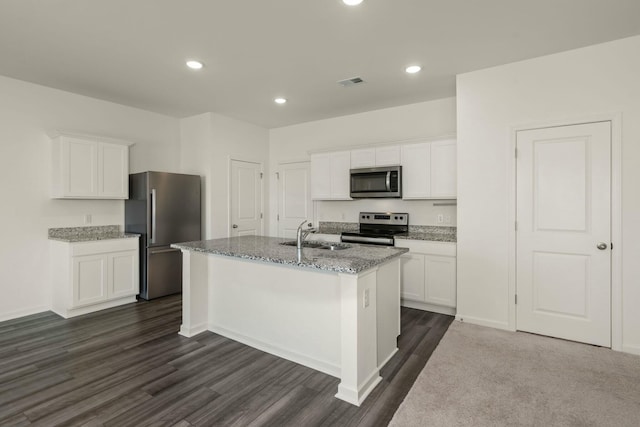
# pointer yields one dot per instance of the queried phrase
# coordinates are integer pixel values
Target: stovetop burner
(378, 228)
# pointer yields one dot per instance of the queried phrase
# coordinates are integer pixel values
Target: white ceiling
(133, 51)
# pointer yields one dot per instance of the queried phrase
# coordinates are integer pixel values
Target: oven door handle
(387, 241)
(388, 181)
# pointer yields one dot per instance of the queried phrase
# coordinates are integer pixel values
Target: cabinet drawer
(103, 246)
(428, 247)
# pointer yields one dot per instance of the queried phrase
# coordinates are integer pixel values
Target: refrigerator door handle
(153, 216)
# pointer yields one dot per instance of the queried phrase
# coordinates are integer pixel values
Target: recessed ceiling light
(413, 69)
(280, 100)
(195, 65)
(352, 2)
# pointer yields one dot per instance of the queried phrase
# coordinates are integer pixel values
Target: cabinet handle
(235, 225)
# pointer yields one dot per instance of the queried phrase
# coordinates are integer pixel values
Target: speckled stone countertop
(431, 233)
(353, 260)
(88, 234)
(416, 232)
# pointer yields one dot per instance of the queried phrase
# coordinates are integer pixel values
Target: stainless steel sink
(304, 244)
(335, 247)
(319, 245)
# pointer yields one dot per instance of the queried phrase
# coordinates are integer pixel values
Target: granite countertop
(88, 234)
(416, 232)
(353, 260)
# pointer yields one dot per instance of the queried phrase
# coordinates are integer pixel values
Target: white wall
(209, 141)
(425, 119)
(567, 86)
(27, 112)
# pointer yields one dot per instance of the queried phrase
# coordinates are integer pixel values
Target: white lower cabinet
(428, 275)
(91, 276)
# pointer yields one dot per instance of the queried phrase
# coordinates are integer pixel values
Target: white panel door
(246, 198)
(564, 232)
(294, 197)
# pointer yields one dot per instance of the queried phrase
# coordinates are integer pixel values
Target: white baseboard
(318, 365)
(192, 331)
(25, 312)
(631, 349)
(483, 322)
(425, 306)
(73, 312)
(356, 397)
(384, 362)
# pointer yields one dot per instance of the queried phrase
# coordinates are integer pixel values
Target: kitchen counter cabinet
(334, 311)
(428, 280)
(93, 275)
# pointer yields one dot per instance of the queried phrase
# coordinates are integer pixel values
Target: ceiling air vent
(351, 82)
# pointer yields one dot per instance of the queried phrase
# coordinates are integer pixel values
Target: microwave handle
(388, 181)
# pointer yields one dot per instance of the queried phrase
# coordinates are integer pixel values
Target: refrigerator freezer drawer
(164, 273)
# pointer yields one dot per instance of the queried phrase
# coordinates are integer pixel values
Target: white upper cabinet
(443, 169)
(429, 170)
(86, 167)
(388, 155)
(378, 156)
(363, 158)
(330, 176)
(416, 177)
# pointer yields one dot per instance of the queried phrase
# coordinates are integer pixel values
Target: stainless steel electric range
(378, 228)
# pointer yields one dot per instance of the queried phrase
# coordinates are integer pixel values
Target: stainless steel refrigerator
(164, 208)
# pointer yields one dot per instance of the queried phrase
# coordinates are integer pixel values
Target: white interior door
(564, 232)
(246, 198)
(294, 197)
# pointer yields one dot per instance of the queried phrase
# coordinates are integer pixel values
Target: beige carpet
(480, 376)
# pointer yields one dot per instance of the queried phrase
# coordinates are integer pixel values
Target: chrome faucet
(302, 234)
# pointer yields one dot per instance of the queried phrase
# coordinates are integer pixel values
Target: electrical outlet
(365, 303)
(87, 219)
(440, 218)
(447, 219)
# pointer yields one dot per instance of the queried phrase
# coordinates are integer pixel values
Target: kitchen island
(336, 311)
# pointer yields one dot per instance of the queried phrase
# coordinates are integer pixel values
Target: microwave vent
(351, 82)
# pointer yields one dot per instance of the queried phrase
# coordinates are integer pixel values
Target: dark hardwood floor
(127, 366)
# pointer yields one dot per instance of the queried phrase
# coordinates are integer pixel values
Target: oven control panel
(386, 218)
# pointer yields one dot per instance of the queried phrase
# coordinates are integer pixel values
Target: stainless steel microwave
(376, 182)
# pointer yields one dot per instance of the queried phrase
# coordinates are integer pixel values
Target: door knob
(602, 246)
(235, 225)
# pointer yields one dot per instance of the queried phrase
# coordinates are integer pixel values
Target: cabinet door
(89, 279)
(340, 175)
(321, 176)
(440, 280)
(79, 167)
(388, 156)
(412, 277)
(364, 158)
(443, 169)
(113, 171)
(416, 177)
(124, 279)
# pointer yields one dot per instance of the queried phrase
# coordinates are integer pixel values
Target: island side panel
(291, 312)
(359, 348)
(388, 310)
(195, 289)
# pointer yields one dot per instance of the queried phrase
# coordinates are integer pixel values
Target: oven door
(376, 182)
(368, 239)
